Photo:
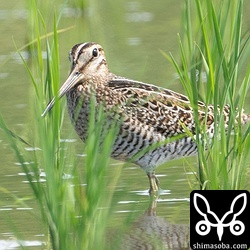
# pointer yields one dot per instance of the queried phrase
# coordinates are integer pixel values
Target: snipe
(149, 114)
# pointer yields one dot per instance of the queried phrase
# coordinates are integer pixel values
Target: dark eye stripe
(78, 49)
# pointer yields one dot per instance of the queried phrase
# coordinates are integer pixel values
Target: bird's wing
(168, 112)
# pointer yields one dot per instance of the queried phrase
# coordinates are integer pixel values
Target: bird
(153, 121)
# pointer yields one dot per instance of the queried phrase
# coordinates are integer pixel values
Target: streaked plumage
(148, 114)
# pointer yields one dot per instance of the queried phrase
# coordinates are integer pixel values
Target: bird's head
(87, 61)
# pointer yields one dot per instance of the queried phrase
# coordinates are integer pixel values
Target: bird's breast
(78, 103)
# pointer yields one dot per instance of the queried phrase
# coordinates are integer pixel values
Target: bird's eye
(95, 52)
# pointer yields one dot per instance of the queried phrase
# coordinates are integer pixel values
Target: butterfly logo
(203, 227)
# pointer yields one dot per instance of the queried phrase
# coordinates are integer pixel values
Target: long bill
(71, 81)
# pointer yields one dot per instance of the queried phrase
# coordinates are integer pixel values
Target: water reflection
(13, 243)
(150, 231)
(13, 14)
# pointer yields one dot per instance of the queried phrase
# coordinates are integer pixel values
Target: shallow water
(132, 43)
